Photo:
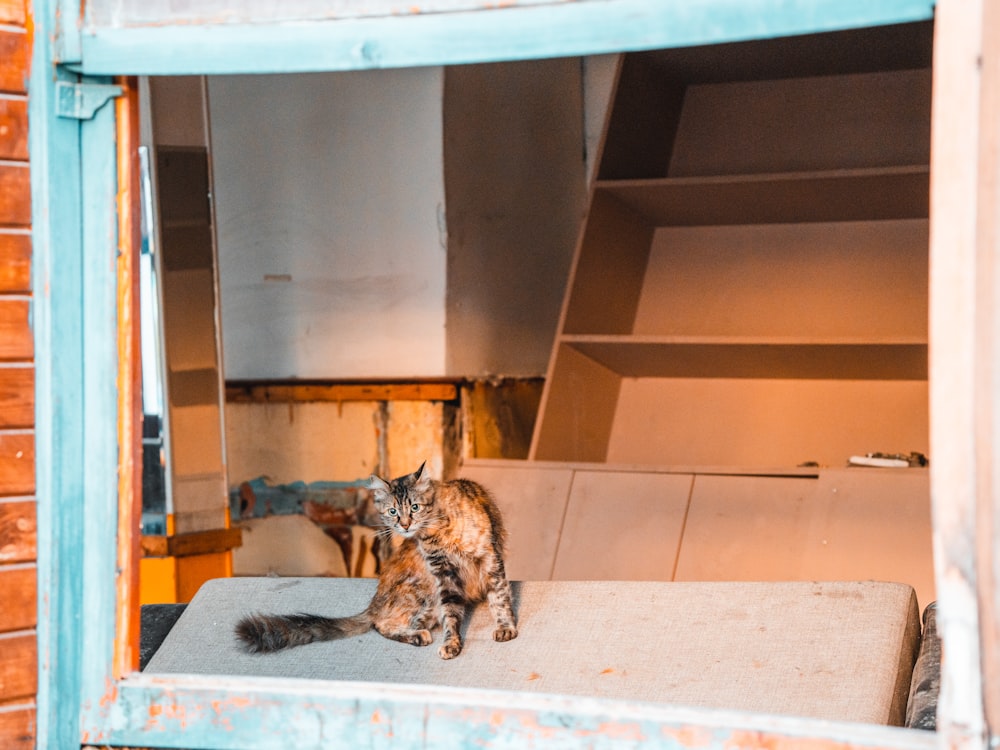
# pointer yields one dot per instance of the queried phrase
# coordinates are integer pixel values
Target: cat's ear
(379, 487)
(422, 478)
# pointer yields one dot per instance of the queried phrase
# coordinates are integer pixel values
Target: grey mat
(841, 651)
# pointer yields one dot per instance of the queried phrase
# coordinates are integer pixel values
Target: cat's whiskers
(384, 532)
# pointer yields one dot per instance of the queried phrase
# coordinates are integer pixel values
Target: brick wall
(18, 552)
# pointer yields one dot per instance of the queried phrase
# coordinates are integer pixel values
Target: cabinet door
(533, 502)
(849, 524)
(622, 526)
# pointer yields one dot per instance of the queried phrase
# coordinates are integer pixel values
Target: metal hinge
(80, 101)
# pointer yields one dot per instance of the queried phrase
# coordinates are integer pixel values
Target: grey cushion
(921, 708)
(839, 651)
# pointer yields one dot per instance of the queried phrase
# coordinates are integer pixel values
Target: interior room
(741, 309)
(669, 306)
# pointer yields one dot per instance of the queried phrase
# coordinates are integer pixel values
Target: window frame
(84, 193)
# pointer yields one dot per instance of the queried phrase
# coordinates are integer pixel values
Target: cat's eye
(393, 512)
(414, 508)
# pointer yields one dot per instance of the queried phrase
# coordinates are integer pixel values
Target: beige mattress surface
(830, 650)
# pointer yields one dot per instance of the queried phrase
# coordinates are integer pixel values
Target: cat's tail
(263, 634)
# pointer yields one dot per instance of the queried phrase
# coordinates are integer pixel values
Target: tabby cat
(451, 556)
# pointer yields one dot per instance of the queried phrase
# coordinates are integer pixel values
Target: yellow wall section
(157, 580)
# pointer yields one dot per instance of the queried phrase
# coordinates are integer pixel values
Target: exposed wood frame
(987, 387)
(258, 393)
(955, 399)
(126, 655)
(193, 543)
(986, 517)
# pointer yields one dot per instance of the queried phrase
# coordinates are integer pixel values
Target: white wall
(338, 258)
(329, 210)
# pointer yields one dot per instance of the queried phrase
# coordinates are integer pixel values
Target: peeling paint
(631, 732)
(273, 713)
(692, 737)
(110, 693)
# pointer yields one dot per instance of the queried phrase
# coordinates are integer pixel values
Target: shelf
(787, 197)
(509, 465)
(755, 357)
(750, 283)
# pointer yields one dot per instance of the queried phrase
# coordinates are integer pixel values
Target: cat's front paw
(421, 638)
(450, 650)
(508, 633)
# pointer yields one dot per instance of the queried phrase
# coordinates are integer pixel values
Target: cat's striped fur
(451, 556)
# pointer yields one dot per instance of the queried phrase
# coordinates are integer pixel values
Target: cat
(450, 557)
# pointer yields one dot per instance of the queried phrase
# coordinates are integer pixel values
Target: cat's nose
(404, 524)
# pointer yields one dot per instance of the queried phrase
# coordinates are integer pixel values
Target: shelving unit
(692, 357)
(831, 195)
(750, 282)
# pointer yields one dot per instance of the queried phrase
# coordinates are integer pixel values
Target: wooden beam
(127, 623)
(953, 357)
(502, 417)
(238, 712)
(987, 371)
(63, 634)
(194, 543)
(98, 609)
(180, 44)
(296, 393)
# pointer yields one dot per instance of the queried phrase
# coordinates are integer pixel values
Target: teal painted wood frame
(99, 189)
(276, 714)
(80, 699)
(561, 29)
(59, 433)
(74, 212)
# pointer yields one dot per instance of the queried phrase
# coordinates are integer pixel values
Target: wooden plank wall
(18, 551)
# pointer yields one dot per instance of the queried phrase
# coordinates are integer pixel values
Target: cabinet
(750, 283)
(576, 522)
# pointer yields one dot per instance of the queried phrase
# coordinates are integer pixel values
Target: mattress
(841, 651)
